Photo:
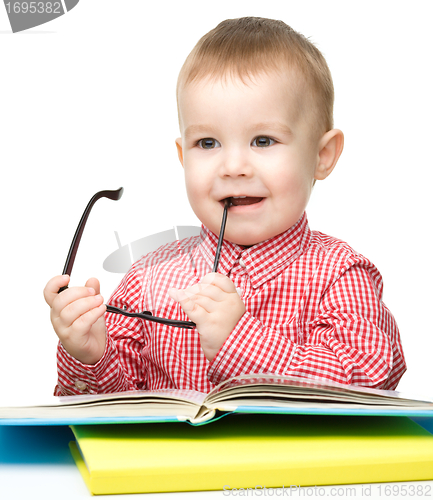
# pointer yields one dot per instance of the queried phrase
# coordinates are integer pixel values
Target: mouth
(237, 201)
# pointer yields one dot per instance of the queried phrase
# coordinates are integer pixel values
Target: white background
(87, 102)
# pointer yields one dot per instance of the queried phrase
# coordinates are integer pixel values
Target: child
(255, 103)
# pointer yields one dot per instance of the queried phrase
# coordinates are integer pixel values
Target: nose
(235, 163)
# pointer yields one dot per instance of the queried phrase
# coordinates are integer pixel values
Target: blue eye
(263, 141)
(208, 143)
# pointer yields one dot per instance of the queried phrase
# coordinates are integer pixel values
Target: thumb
(94, 283)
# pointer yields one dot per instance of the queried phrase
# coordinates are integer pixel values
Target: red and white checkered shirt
(313, 308)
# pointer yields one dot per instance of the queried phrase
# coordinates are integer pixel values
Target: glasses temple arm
(70, 259)
(221, 236)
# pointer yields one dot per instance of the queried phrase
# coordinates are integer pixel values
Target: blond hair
(247, 46)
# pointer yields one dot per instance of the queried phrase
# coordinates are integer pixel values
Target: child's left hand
(215, 307)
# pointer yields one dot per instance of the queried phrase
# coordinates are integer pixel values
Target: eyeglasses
(146, 315)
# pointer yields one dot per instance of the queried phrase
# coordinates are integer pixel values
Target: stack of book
(276, 431)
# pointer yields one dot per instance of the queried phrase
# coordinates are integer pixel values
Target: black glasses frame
(146, 315)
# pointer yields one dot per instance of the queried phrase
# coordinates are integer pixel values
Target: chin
(250, 238)
(244, 241)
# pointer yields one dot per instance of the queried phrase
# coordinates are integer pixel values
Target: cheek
(198, 176)
(291, 182)
(292, 189)
(196, 189)
(289, 169)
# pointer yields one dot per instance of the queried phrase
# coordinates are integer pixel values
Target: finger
(188, 306)
(211, 291)
(208, 304)
(94, 283)
(186, 302)
(68, 296)
(84, 323)
(194, 311)
(52, 288)
(177, 295)
(220, 281)
(78, 308)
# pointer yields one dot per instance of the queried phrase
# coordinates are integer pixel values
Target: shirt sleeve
(353, 338)
(120, 368)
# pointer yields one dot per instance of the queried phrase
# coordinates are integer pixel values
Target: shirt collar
(263, 261)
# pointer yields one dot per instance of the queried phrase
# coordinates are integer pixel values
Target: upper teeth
(238, 196)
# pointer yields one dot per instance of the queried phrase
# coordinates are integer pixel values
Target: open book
(256, 393)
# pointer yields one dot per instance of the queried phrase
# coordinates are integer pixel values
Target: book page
(296, 388)
(129, 403)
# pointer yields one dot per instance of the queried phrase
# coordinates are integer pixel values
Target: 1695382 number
(34, 7)
(403, 490)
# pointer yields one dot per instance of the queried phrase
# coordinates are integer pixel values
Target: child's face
(248, 140)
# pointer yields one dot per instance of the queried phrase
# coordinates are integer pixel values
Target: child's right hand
(77, 315)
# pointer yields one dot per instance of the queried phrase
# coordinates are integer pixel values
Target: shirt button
(241, 263)
(80, 385)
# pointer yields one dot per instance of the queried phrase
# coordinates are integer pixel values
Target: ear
(330, 149)
(179, 149)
